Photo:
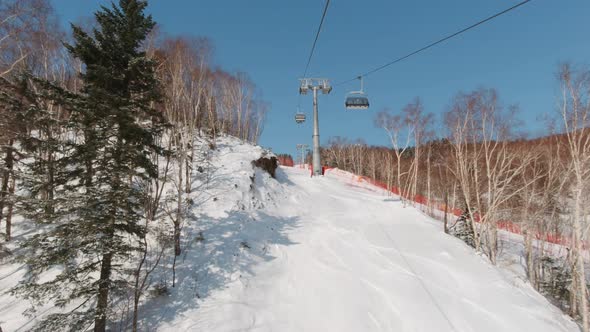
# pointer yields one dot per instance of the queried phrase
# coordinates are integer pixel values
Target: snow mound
(230, 231)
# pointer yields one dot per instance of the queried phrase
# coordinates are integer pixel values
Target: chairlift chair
(357, 100)
(299, 117)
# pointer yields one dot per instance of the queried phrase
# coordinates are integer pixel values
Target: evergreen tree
(94, 221)
(11, 102)
(463, 229)
(555, 281)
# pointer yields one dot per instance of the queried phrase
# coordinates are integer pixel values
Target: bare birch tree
(395, 126)
(575, 113)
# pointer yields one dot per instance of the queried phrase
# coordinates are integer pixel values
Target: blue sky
(517, 54)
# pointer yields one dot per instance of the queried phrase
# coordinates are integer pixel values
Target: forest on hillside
(93, 121)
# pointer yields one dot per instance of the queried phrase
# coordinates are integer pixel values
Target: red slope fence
(505, 225)
(285, 160)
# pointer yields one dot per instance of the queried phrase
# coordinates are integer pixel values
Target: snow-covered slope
(352, 259)
(321, 254)
(228, 195)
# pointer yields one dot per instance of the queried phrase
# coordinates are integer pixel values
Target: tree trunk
(177, 250)
(530, 232)
(89, 171)
(417, 167)
(476, 237)
(179, 216)
(50, 183)
(399, 180)
(493, 241)
(138, 290)
(573, 293)
(10, 209)
(88, 159)
(530, 258)
(579, 258)
(446, 217)
(4, 191)
(188, 170)
(428, 198)
(174, 271)
(100, 320)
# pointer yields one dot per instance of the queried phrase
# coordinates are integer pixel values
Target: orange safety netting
(506, 225)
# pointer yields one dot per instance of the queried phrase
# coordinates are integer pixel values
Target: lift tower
(315, 84)
(301, 148)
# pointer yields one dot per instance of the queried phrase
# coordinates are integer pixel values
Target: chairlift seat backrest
(356, 100)
(300, 117)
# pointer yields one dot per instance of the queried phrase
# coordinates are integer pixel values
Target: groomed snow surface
(353, 259)
(327, 254)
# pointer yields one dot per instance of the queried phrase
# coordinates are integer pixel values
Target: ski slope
(355, 259)
(302, 254)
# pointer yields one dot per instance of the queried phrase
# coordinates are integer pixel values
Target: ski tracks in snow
(361, 262)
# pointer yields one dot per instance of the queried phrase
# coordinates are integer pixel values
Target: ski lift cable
(313, 47)
(317, 35)
(436, 42)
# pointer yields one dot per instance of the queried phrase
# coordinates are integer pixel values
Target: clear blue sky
(517, 53)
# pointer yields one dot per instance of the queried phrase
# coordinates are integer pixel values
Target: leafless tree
(418, 124)
(400, 135)
(575, 114)
(486, 168)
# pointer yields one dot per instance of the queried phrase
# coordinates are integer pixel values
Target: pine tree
(10, 102)
(463, 229)
(555, 282)
(94, 221)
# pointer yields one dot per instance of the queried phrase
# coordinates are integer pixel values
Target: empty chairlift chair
(357, 100)
(299, 117)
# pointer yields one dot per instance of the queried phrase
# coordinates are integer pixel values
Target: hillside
(315, 254)
(228, 193)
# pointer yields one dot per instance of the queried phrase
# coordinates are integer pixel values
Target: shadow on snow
(228, 250)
